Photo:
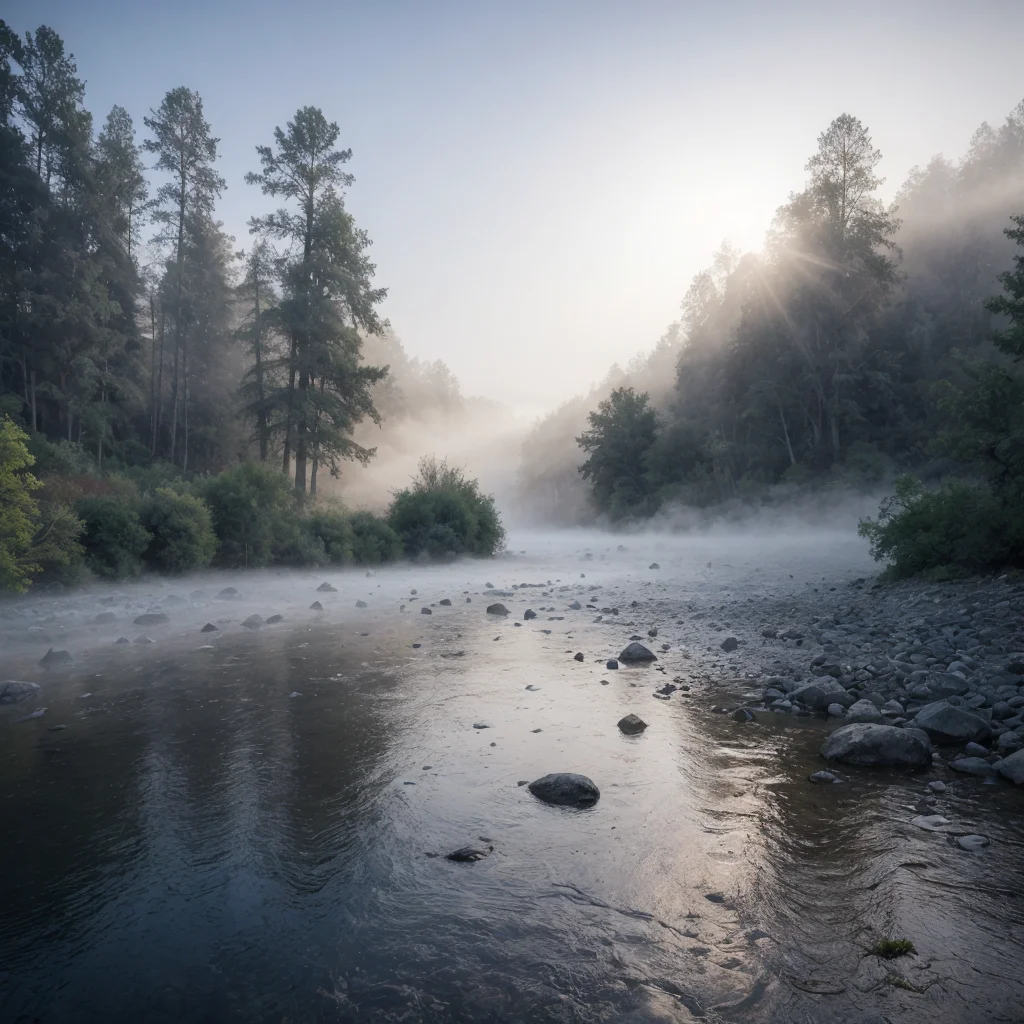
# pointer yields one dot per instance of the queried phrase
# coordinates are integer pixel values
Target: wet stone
(151, 619)
(972, 843)
(729, 644)
(362, 604)
(822, 777)
(566, 789)
(578, 656)
(253, 622)
(632, 725)
(326, 588)
(209, 628)
(636, 652)
(468, 854)
(497, 609)
(12, 691)
(52, 658)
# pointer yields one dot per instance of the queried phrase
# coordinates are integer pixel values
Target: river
(251, 825)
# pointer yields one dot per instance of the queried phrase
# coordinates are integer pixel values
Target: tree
(19, 512)
(621, 432)
(186, 150)
(327, 297)
(120, 177)
(1011, 303)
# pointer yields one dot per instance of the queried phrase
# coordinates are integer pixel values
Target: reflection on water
(248, 827)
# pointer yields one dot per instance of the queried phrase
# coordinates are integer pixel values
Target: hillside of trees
(142, 353)
(844, 352)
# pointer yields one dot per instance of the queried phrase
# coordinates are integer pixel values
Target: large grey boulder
(14, 690)
(631, 725)
(971, 766)
(863, 711)
(566, 789)
(820, 694)
(151, 619)
(947, 724)
(637, 652)
(865, 743)
(1012, 767)
(944, 684)
(497, 609)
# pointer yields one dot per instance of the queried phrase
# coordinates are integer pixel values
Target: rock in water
(948, 724)
(632, 725)
(1012, 768)
(143, 639)
(637, 652)
(426, 611)
(151, 619)
(445, 602)
(529, 614)
(864, 711)
(566, 789)
(362, 604)
(497, 609)
(971, 766)
(326, 588)
(209, 628)
(575, 606)
(52, 657)
(654, 565)
(972, 843)
(14, 690)
(253, 622)
(104, 617)
(611, 663)
(578, 656)
(468, 854)
(729, 644)
(122, 640)
(273, 620)
(822, 777)
(820, 694)
(227, 594)
(930, 822)
(316, 606)
(865, 743)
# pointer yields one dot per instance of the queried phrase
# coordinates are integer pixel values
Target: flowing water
(252, 825)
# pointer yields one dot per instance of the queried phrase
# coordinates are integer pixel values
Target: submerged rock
(445, 602)
(253, 622)
(52, 658)
(151, 619)
(610, 663)
(654, 565)
(143, 639)
(468, 854)
(210, 628)
(822, 777)
(632, 725)
(636, 652)
(316, 606)
(864, 743)
(566, 789)
(273, 620)
(529, 614)
(362, 604)
(326, 588)
(104, 617)
(972, 843)
(497, 609)
(426, 611)
(227, 594)
(12, 691)
(122, 640)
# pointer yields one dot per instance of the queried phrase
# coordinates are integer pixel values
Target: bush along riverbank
(61, 522)
(909, 672)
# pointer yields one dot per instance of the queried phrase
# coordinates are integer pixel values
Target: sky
(541, 180)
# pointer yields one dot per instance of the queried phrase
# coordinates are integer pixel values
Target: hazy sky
(542, 179)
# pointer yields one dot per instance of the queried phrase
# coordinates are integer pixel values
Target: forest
(867, 345)
(168, 400)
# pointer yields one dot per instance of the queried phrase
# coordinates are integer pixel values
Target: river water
(252, 825)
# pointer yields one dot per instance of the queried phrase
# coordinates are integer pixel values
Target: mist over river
(252, 824)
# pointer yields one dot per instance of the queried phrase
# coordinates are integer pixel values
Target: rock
(52, 658)
(316, 606)
(972, 843)
(947, 724)
(151, 619)
(363, 604)
(426, 611)
(122, 640)
(38, 713)
(822, 777)
(444, 602)
(976, 750)
(892, 707)
(937, 787)
(497, 609)
(529, 614)
(820, 694)
(652, 632)
(209, 628)
(729, 644)
(864, 743)
(578, 656)
(273, 620)
(930, 822)
(480, 725)
(326, 588)
(654, 565)
(294, 693)
(12, 691)
(971, 766)
(632, 725)
(611, 663)
(863, 711)
(1012, 768)
(566, 789)
(104, 617)
(575, 606)
(227, 594)
(740, 714)
(143, 639)
(253, 622)
(835, 710)
(636, 653)
(769, 633)
(942, 684)
(468, 854)
(489, 586)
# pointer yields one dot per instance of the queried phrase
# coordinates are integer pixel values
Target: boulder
(636, 652)
(445, 602)
(227, 594)
(1012, 768)
(575, 606)
(971, 766)
(654, 565)
(822, 777)
(52, 657)
(426, 611)
(947, 724)
(326, 588)
(820, 694)
(104, 617)
(468, 854)
(151, 619)
(729, 644)
(497, 609)
(863, 711)
(529, 614)
(12, 691)
(578, 656)
(865, 743)
(611, 663)
(209, 628)
(272, 620)
(363, 604)
(253, 622)
(943, 684)
(316, 606)
(834, 710)
(632, 725)
(566, 789)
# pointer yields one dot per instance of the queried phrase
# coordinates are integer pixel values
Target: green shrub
(56, 547)
(373, 540)
(114, 539)
(891, 949)
(444, 514)
(19, 511)
(254, 514)
(958, 527)
(59, 458)
(182, 531)
(332, 529)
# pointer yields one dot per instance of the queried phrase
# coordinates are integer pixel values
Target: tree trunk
(301, 434)
(32, 392)
(316, 445)
(182, 193)
(184, 382)
(174, 403)
(785, 433)
(261, 415)
(158, 413)
(290, 413)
